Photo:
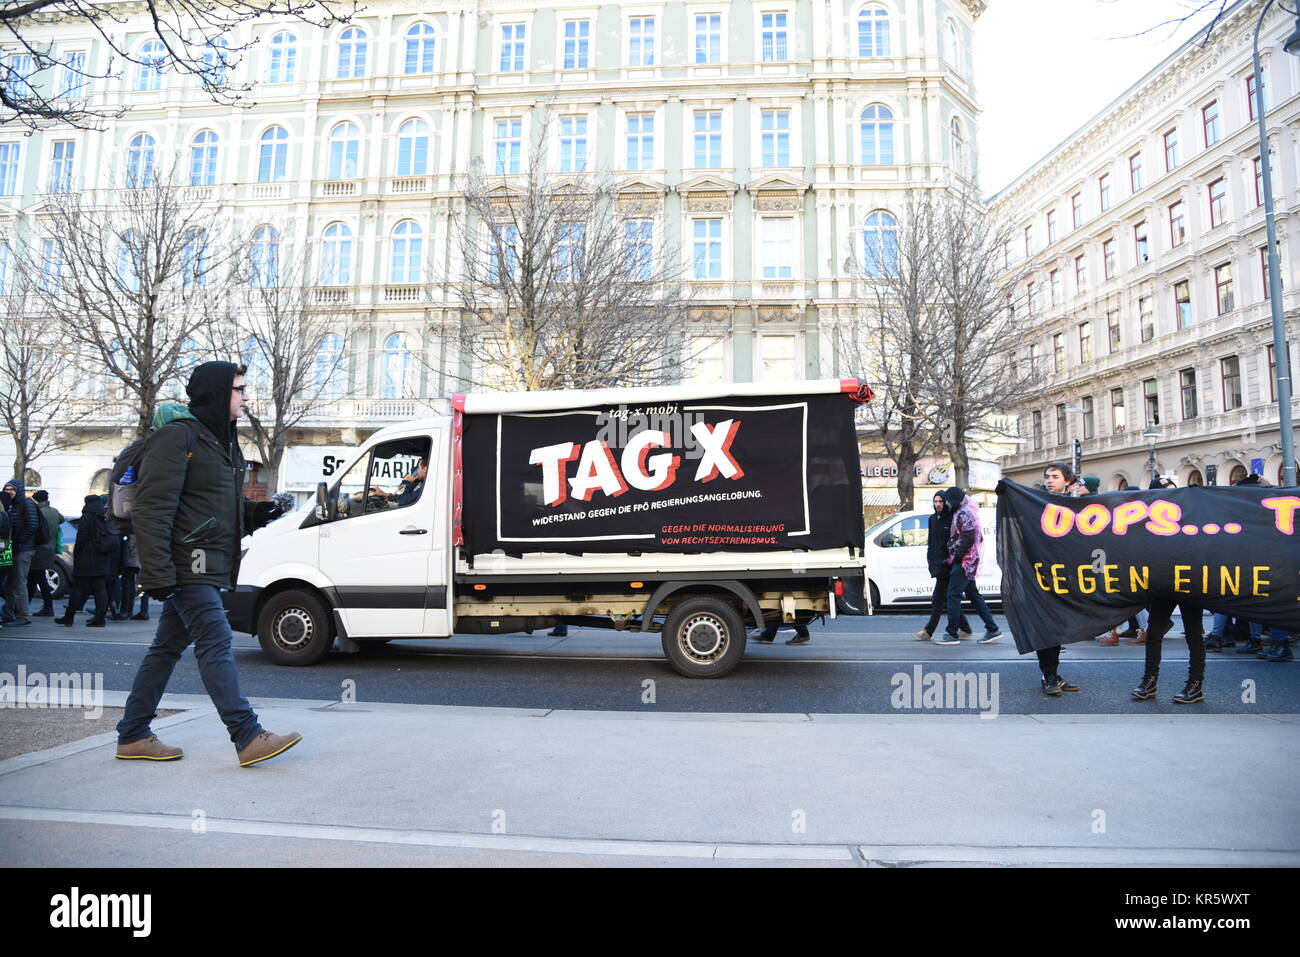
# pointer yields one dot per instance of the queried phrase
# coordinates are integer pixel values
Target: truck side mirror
(322, 502)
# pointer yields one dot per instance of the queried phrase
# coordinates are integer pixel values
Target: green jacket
(189, 513)
(44, 557)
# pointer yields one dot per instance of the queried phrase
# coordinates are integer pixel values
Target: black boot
(47, 611)
(1249, 647)
(65, 620)
(1192, 692)
(1280, 651)
(1146, 690)
(96, 622)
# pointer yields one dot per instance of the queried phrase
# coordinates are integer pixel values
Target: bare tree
(559, 288)
(131, 277)
(37, 409)
(276, 328)
(979, 322)
(37, 88)
(891, 341)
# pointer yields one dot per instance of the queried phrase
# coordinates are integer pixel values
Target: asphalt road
(852, 666)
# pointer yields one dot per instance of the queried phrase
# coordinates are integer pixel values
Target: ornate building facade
(768, 141)
(1145, 238)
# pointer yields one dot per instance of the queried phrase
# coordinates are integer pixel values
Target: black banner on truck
(1072, 568)
(730, 474)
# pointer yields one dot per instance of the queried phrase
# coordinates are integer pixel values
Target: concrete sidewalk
(415, 784)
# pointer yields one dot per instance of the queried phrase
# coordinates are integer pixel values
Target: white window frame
(692, 12)
(757, 149)
(693, 352)
(288, 72)
(797, 358)
(657, 21)
(855, 31)
(559, 137)
(499, 41)
(361, 44)
(435, 37)
(688, 119)
(408, 240)
(723, 246)
(63, 182)
(761, 247)
(360, 140)
(564, 18)
(789, 29)
(656, 121)
(490, 130)
(428, 150)
(73, 84)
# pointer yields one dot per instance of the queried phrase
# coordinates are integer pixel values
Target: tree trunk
(960, 461)
(20, 462)
(906, 462)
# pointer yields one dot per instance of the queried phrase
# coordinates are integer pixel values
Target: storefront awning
(880, 497)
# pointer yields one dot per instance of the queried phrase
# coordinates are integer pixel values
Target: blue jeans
(1274, 634)
(959, 585)
(195, 613)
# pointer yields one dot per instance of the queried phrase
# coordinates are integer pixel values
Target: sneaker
(143, 616)
(965, 633)
(990, 636)
(1065, 685)
(1110, 638)
(1052, 684)
(799, 640)
(43, 613)
(1126, 633)
(1141, 638)
(267, 745)
(758, 636)
(148, 749)
(18, 622)
(1146, 690)
(947, 639)
(1281, 651)
(1192, 692)
(922, 635)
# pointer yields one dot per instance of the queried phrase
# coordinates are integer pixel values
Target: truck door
(377, 549)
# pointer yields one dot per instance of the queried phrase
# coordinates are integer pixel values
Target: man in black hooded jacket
(189, 516)
(23, 520)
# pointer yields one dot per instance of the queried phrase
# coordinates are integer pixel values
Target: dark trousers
(939, 605)
(83, 588)
(1162, 619)
(960, 586)
(127, 600)
(36, 581)
(1049, 659)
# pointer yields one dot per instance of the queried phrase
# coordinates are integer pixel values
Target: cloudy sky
(1044, 67)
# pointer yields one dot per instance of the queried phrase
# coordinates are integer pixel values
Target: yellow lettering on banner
(1038, 573)
(1255, 570)
(1205, 579)
(1139, 581)
(1110, 573)
(1058, 581)
(1087, 584)
(1180, 580)
(1229, 579)
(1284, 509)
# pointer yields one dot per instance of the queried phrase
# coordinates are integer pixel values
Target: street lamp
(1281, 358)
(1151, 433)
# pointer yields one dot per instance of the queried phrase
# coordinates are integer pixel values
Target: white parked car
(897, 572)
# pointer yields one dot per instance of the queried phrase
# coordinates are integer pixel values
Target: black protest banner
(1074, 567)
(750, 473)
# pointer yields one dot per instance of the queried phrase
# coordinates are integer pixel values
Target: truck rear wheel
(294, 628)
(703, 638)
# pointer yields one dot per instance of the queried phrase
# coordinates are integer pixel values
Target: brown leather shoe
(148, 749)
(267, 745)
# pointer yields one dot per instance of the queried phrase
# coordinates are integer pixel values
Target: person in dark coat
(43, 561)
(936, 556)
(91, 563)
(23, 520)
(117, 565)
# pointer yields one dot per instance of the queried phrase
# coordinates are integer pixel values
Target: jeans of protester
(1274, 634)
(959, 585)
(939, 605)
(1162, 619)
(83, 588)
(194, 614)
(17, 592)
(37, 581)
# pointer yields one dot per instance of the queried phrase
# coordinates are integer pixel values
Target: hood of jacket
(209, 392)
(169, 412)
(20, 490)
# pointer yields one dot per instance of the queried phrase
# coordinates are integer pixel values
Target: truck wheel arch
(739, 589)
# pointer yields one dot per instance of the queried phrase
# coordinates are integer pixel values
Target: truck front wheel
(703, 638)
(294, 628)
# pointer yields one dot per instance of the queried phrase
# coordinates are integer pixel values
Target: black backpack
(121, 497)
(42, 528)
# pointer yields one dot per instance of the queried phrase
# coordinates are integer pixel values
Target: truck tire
(295, 628)
(703, 638)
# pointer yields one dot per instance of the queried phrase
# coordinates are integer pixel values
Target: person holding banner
(1161, 621)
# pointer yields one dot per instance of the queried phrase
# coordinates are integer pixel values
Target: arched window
(328, 366)
(877, 136)
(282, 65)
(958, 140)
(413, 148)
(880, 245)
(99, 482)
(397, 367)
(352, 53)
(203, 159)
(421, 46)
(1195, 478)
(345, 149)
(129, 265)
(1237, 474)
(139, 161)
(32, 479)
(873, 32)
(264, 257)
(273, 155)
(336, 256)
(149, 70)
(216, 61)
(1121, 483)
(954, 45)
(195, 261)
(408, 253)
